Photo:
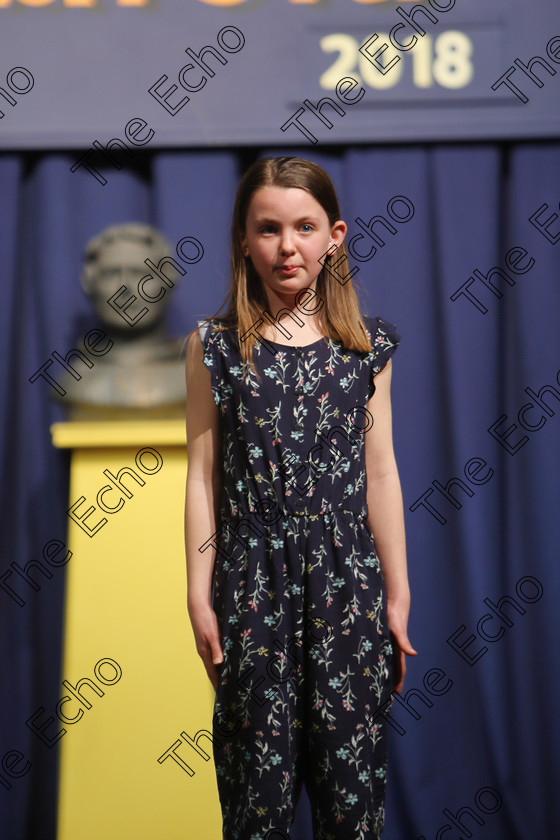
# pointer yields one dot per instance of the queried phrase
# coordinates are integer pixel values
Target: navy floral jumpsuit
(298, 590)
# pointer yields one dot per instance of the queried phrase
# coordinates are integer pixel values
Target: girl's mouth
(288, 270)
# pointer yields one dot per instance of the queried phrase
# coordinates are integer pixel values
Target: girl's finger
(217, 655)
(404, 642)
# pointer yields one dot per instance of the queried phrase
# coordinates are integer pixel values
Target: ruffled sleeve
(384, 340)
(205, 331)
(214, 356)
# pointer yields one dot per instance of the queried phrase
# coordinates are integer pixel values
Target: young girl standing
(297, 583)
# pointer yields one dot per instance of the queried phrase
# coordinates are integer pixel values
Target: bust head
(142, 369)
(114, 263)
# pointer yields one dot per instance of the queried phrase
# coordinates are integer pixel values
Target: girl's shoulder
(210, 328)
(384, 340)
(381, 333)
(204, 330)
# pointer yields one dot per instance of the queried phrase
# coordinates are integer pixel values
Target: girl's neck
(298, 330)
(288, 331)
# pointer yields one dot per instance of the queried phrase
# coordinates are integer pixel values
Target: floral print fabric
(298, 589)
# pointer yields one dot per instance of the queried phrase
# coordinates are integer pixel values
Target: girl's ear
(338, 232)
(244, 247)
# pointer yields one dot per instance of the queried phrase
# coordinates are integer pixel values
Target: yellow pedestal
(126, 602)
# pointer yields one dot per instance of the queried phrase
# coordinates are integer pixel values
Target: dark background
(456, 372)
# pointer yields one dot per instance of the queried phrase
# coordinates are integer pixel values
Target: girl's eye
(308, 226)
(267, 229)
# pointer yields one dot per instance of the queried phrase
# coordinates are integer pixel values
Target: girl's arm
(201, 505)
(386, 518)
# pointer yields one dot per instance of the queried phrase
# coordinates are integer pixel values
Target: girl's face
(286, 233)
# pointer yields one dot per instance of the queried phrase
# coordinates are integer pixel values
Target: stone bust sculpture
(129, 275)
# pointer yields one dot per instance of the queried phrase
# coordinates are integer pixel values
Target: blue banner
(109, 76)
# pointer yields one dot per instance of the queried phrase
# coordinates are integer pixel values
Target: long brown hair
(339, 318)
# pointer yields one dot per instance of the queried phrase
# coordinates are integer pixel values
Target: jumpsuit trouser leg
(299, 687)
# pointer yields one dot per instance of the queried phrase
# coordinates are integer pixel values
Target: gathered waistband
(268, 515)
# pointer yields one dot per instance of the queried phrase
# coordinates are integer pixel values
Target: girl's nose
(287, 243)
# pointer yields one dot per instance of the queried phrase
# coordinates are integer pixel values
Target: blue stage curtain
(485, 724)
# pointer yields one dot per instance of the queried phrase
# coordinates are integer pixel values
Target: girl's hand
(207, 637)
(397, 616)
